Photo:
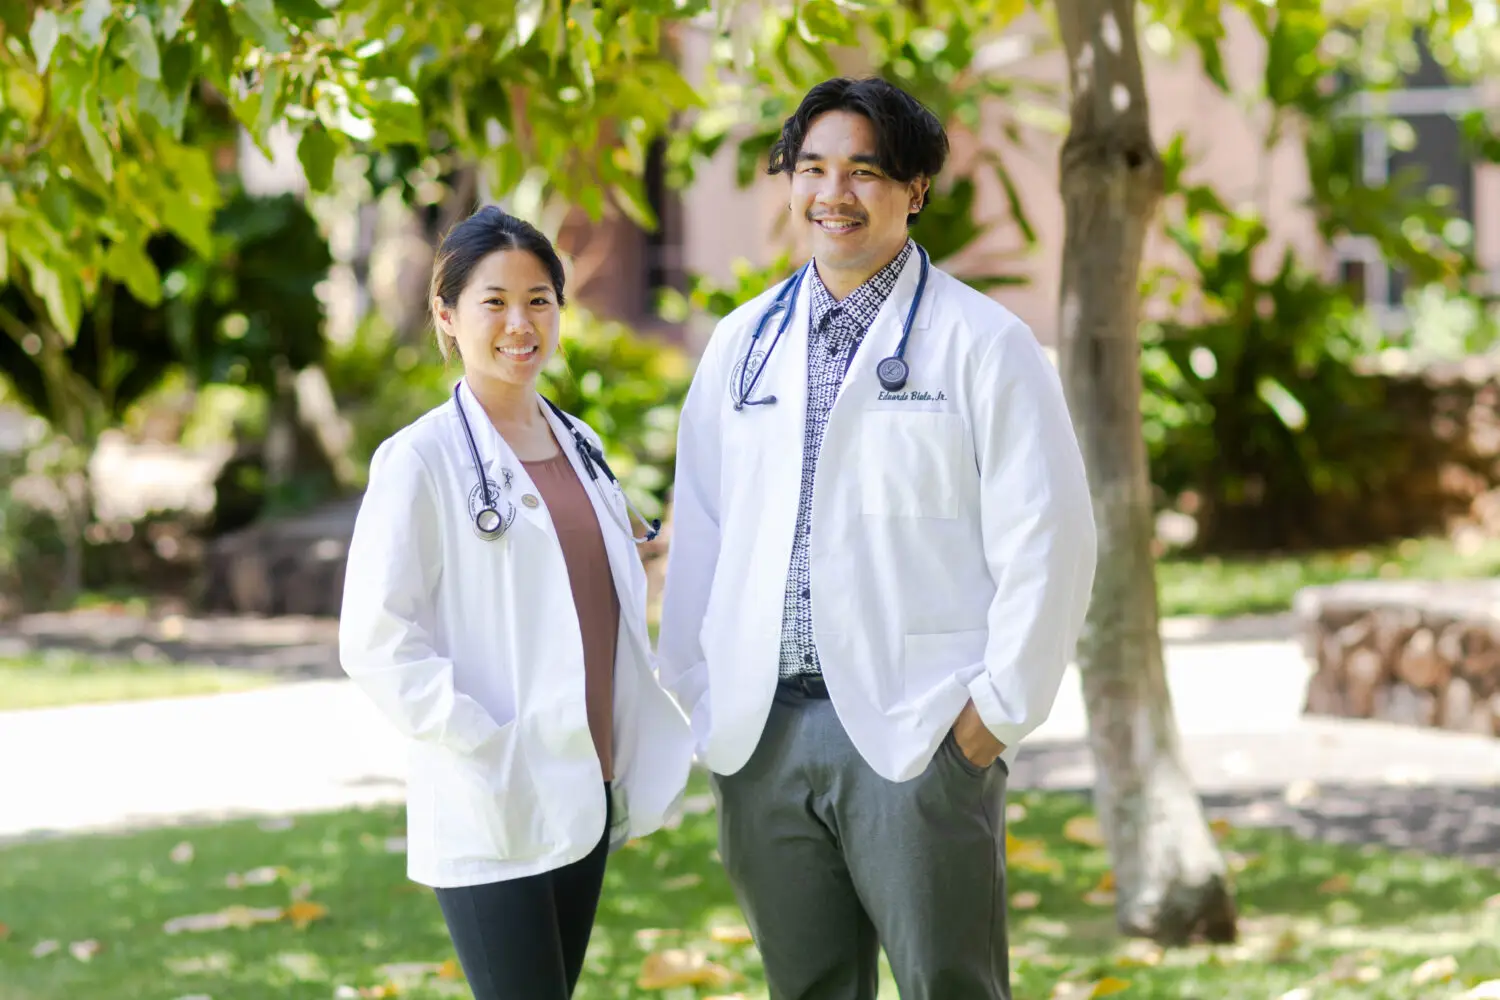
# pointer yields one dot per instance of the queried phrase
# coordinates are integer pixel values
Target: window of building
(1430, 107)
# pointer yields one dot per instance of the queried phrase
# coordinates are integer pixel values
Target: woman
(500, 623)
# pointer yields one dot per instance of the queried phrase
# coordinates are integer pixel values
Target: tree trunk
(1170, 878)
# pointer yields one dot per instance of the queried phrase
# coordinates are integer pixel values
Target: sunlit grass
(1342, 921)
(58, 677)
(1252, 585)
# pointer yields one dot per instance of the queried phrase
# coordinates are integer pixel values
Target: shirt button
(806, 592)
(807, 658)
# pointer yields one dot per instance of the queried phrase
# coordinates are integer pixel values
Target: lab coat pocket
(483, 807)
(909, 463)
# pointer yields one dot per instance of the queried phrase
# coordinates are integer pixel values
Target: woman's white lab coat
(472, 648)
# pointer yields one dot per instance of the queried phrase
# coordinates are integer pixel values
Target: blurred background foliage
(163, 282)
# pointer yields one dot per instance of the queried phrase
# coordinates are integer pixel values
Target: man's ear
(919, 189)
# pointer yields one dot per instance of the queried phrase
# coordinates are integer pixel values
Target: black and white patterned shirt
(835, 330)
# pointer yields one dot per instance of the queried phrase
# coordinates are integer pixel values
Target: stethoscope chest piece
(485, 501)
(892, 373)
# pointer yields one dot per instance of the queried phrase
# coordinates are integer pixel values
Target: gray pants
(830, 862)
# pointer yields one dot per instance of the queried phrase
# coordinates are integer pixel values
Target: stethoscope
(489, 524)
(891, 371)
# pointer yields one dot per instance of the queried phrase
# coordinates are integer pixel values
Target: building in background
(711, 224)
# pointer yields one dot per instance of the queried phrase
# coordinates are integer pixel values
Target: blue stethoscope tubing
(488, 523)
(892, 371)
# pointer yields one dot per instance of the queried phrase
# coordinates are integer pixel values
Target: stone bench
(1412, 652)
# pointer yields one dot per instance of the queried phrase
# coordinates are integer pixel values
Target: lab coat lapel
(884, 335)
(786, 379)
(505, 469)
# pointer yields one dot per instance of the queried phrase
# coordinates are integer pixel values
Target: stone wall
(1414, 653)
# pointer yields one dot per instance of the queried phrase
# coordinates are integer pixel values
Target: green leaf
(4, 257)
(91, 125)
(141, 47)
(631, 199)
(127, 262)
(91, 22)
(173, 13)
(270, 100)
(214, 26)
(317, 152)
(509, 167)
(44, 35)
(1213, 62)
(303, 11)
(61, 295)
(823, 21)
(528, 18)
(259, 20)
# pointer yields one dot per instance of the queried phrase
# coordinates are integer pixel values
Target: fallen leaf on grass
(681, 882)
(264, 875)
(1140, 953)
(1026, 900)
(1084, 830)
(1220, 828)
(1346, 969)
(84, 950)
(1108, 986)
(1435, 970)
(647, 938)
(182, 853)
(239, 917)
(1028, 855)
(1102, 894)
(45, 948)
(395, 845)
(663, 970)
(4, 931)
(450, 969)
(738, 934)
(302, 913)
(1339, 883)
(1285, 948)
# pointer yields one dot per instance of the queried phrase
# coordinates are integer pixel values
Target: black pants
(525, 939)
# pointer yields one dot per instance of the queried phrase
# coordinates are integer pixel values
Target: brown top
(594, 594)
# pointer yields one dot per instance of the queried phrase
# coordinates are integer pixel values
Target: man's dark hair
(910, 142)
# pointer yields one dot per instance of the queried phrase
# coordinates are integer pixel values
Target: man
(883, 551)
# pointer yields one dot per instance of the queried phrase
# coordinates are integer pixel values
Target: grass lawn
(63, 678)
(1340, 922)
(1212, 586)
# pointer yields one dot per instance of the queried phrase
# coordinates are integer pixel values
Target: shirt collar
(862, 304)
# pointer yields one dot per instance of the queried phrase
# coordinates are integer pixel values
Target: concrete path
(318, 745)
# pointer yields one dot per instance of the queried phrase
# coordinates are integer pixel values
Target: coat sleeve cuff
(994, 715)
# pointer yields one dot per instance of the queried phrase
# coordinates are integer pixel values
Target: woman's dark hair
(471, 241)
(910, 142)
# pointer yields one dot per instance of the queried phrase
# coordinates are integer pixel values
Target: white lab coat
(473, 650)
(952, 546)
